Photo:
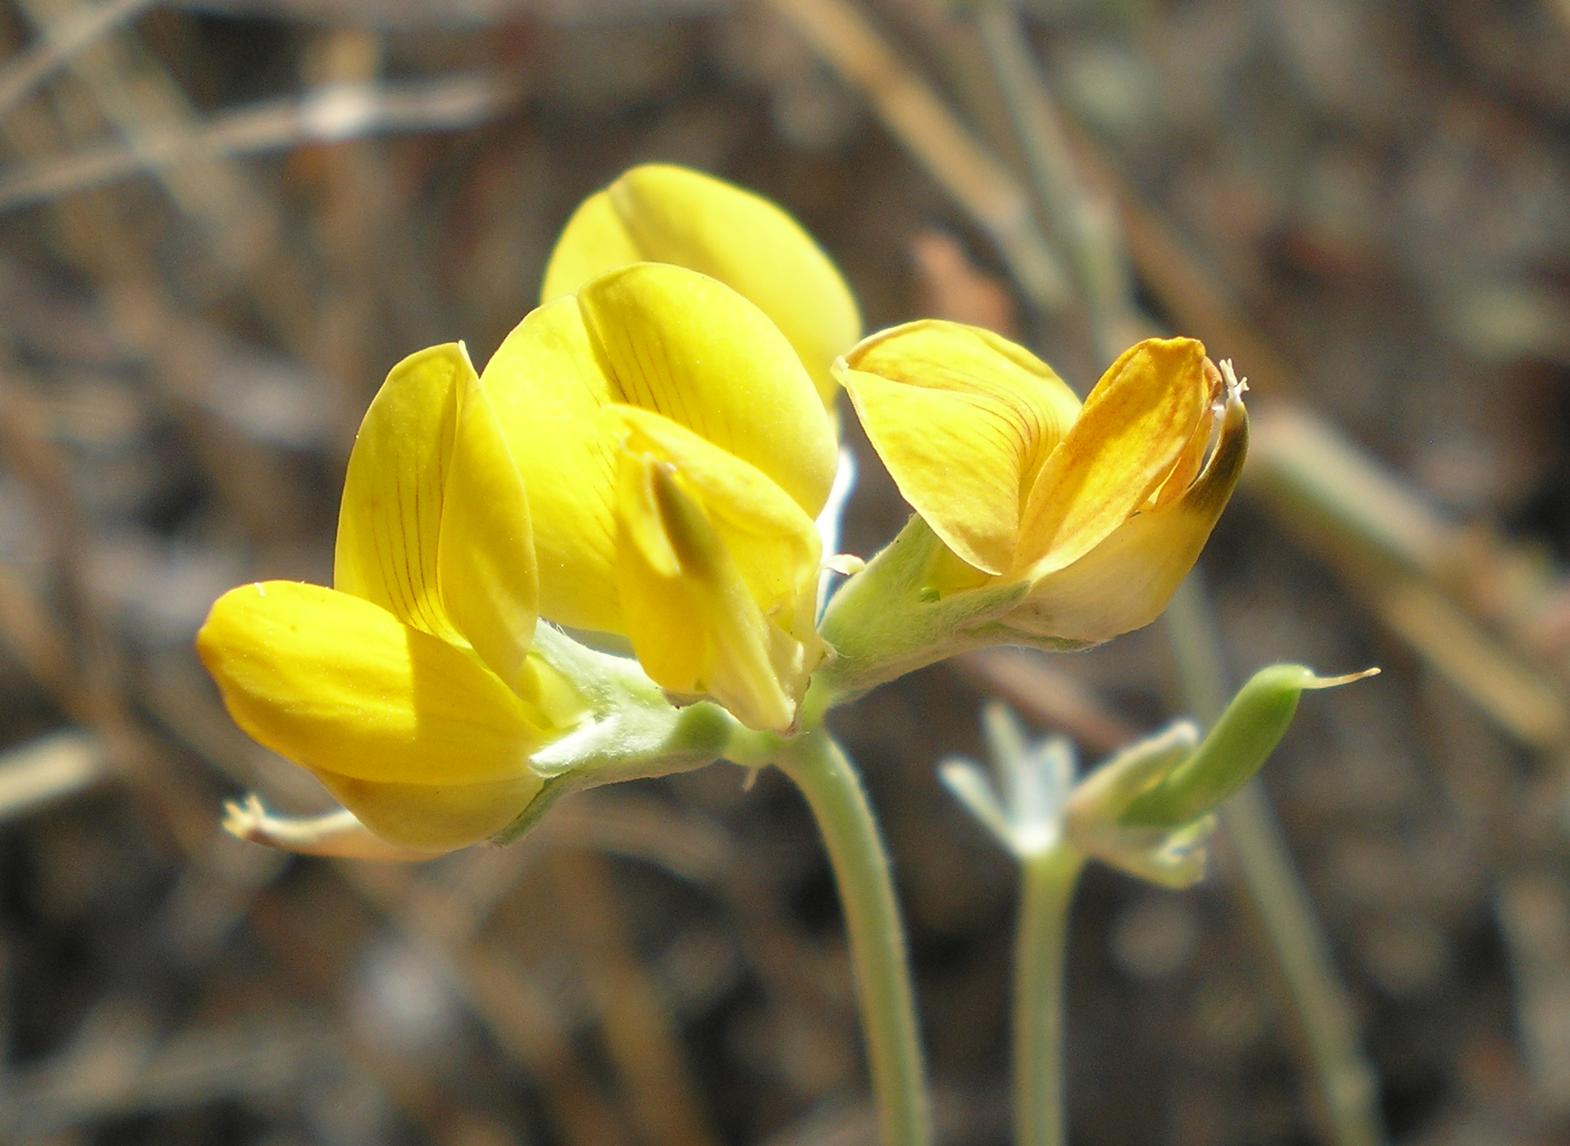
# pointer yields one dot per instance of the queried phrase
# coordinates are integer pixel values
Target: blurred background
(221, 222)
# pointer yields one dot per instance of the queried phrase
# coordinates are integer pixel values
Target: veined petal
(341, 686)
(686, 346)
(390, 519)
(1131, 433)
(773, 542)
(1126, 581)
(693, 622)
(963, 419)
(485, 555)
(1192, 459)
(434, 818)
(548, 389)
(660, 338)
(434, 523)
(666, 214)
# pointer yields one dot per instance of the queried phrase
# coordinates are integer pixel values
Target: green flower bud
(1235, 749)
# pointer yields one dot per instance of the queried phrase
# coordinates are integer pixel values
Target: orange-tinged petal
(1192, 459)
(1125, 582)
(1132, 431)
(667, 214)
(341, 686)
(963, 419)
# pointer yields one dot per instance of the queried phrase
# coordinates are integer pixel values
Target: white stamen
(1236, 387)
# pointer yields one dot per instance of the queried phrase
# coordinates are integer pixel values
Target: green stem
(1346, 1083)
(1048, 880)
(833, 791)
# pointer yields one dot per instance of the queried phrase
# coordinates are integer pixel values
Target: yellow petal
(594, 242)
(686, 346)
(660, 338)
(485, 555)
(434, 818)
(963, 419)
(1192, 459)
(667, 615)
(665, 214)
(547, 387)
(389, 522)
(434, 524)
(1128, 438)
(773, 542)
(693, 622)
(1126, 581)
(341, 686)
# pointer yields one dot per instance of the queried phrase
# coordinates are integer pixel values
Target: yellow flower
(1098, 509)
(676, 453)
(409, 689)
(664, 214)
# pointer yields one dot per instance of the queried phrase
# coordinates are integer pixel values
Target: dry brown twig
(61, 41)
(331, 114)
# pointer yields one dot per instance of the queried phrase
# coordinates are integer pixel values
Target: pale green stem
(1346, 1084)
(833, 791)
(1047, 883)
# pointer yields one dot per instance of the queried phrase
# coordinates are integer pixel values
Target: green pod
(1235, 748)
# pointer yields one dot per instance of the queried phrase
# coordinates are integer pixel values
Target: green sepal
(889, 620)
(553, 789)
(629, 730)
(1166, 857)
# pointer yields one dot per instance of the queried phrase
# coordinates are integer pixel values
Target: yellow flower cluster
(645, 458)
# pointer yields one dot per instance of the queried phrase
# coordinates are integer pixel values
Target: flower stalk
(1048, 881)
(1024, 803)
(833, 790)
